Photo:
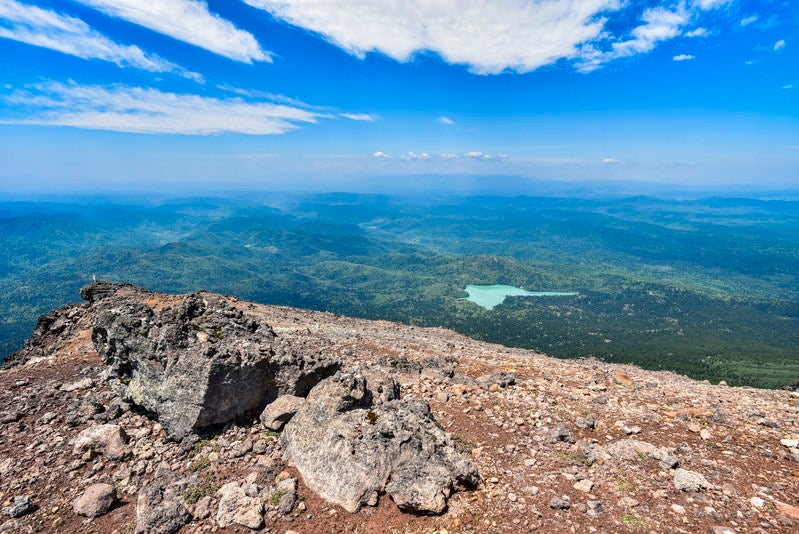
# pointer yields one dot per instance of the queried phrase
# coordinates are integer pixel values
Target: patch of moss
(208, 486)
(275, 498)
(634, 522)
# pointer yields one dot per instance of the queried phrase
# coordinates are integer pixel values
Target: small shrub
(372, 417)
(199, 463)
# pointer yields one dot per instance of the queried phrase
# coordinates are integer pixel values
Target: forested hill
(705, 287)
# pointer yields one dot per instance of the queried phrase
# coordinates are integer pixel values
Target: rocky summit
(137, 411)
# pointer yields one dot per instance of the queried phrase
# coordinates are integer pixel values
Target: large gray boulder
(199, 363)
(354, 438)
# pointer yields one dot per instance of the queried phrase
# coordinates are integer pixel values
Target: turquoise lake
(490, 296)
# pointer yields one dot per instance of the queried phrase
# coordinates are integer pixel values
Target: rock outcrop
(354, 438)
(198, 363)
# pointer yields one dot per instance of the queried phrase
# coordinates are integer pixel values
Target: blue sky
(141, 95)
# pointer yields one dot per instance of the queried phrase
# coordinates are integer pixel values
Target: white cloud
(189, 21)
(712, 4)
(445, 120)
(382, 155)
(779, 45)
(609, 161)
(746, 21)
(413, 156)
(659, 24)
(683, 57)
(489, 36)
(70, 35)
(788, 86)
(365, 117)
(698, 32)
(449, 156)
(142, 110)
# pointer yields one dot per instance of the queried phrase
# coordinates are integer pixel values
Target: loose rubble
(481, 438)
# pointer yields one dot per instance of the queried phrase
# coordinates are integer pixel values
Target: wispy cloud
(445, 120)
(658, 24)
(789, 86)
(70, 35)
(779, 45)
(189, 21)
(610, 161)
(746, 21)
(683, 57)
(712, 4)
(697, 32)
(425, 156)
(143, 110)
(364, 117)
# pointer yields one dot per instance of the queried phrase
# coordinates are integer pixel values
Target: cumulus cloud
(189, 21)
(413, 156)
(70, 35)
(445, 120)
(143, 110)
(494, 36)
(364, 117)
(382, 155)
(489, 36)
(779, 45)
(683, 57)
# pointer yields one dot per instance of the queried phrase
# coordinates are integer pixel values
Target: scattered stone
(85, 383)
(21, 505)
(757, 502)
(96, 500)
(585, 423)
(237, 508)
(109, 440)
(584, 485)
(560, 503)
(790, 443)
(685, 480)
(280, 411)
(787, 509)
(621, 379)
(594, 509)
(716, 529)
(502, 379)
(678, 509)
(561, 432)
(160, 508)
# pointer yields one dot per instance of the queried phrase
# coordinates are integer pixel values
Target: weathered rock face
(51, 328)
(199, 363)
(354, 438)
